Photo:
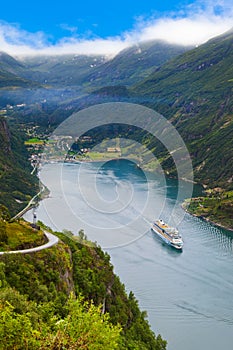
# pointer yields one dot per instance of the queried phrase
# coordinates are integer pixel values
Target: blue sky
(107, 26)
(102, 18)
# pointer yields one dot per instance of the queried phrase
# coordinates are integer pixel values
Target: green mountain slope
(63, 70)
(134, 63)
(128, 67)
(10, 80)
(10, 64)
(194, 91)
(17, 185)
(11, 73)
(38, 287)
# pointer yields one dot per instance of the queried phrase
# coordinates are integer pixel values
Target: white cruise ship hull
(177, 246)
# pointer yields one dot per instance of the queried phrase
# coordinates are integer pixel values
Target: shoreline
(33, 201)
(30, 205)
(184, 207)
(53, 161)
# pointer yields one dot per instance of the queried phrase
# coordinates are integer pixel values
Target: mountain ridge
(134, 63)
(11, 73)
(194, 91)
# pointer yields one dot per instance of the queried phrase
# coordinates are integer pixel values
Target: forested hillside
(17, 185)
(194, 91)
(11, 71)
(76, 302)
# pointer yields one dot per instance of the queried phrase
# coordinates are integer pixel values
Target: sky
(106, 27)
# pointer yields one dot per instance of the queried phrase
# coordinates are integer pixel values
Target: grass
(216, 207)
(20, 235)
(34, 141)
(104, 155)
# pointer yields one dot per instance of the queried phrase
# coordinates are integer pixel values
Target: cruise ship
(170, 235)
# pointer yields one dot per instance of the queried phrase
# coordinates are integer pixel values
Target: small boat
(170, 235)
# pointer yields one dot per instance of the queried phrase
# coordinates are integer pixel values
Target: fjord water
(188, 295)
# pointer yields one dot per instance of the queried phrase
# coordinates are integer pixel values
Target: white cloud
(183, 31)
(193, 25)
(98, 46)
(18, 42)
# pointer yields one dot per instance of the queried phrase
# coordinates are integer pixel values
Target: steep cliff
(17, 185)
(75, 266)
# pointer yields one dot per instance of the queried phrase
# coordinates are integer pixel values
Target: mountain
(134, 63)
(17, 185)
(11, 73)
(63, 80)
(10, 80)
(194, 91)
(129, 66)
(78, 75)
(62, 70)
(10, 64)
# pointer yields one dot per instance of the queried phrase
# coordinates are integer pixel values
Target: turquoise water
(188, 295)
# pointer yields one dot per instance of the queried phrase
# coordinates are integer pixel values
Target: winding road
(52, 241)
(31, 203)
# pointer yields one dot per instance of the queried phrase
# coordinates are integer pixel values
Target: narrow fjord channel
(188, 295)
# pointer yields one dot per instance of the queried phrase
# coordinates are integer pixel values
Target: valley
(191, 87)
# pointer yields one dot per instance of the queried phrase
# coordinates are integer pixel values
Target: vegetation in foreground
(68, 297)
(18, 235)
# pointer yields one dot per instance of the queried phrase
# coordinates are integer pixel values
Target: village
(69, 149)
